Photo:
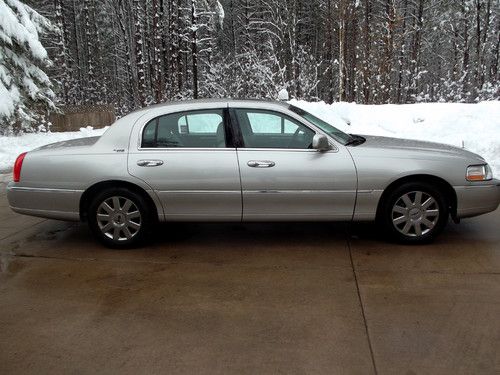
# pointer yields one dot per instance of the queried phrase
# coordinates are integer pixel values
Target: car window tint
(267, 129)
(264, 123)
(167, 135)
(270, 123)
(149, 134)
(289, 127)
(200, 123)
(196, 129)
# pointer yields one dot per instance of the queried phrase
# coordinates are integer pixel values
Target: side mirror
(320, 142)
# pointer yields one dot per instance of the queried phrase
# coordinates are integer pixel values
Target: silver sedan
(232, 160)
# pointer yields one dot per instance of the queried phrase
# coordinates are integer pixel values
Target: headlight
(479, 173)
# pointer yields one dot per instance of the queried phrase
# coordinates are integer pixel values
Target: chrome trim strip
(207, 214)
(255, 191)
(43, 190)
(370, 191)
(54, 190)
(186, 149)
(467, 187)
(300, 191)
(199, 191)
(259, 215)
(243, 149)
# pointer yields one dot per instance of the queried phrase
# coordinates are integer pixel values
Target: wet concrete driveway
(248, 299)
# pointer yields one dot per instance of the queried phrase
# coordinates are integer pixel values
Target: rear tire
(415, 212)
(119, 218)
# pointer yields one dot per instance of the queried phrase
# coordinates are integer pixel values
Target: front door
(283, 178)
(187, 158)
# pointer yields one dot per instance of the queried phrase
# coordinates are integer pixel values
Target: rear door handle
(261, 163)
(149, 163)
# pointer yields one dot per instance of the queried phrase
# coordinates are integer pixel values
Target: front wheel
(414, 213)
(119, 218)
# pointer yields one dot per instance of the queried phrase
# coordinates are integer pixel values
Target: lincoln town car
(245, 161)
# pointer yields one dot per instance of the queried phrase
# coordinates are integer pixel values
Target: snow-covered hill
(474, 126)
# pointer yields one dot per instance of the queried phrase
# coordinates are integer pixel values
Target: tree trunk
(194, 48)
(402, 55)
(156, 82)
(415, 50)
(367, 51)
(342, 21)
(139, 56)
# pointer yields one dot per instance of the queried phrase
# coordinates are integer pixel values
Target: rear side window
(194, 129)
(199, 123)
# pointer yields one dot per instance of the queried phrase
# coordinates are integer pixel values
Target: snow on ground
(475, 126)
(10, 147)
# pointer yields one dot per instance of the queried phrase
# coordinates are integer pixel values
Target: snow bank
(10, 147)
(474, 126)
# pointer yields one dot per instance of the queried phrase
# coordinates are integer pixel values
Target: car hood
(87, 141)
(376, 142)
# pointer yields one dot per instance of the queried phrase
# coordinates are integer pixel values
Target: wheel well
(88, 194)
(448, 191)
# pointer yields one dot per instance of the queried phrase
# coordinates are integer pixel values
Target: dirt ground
(315, 298)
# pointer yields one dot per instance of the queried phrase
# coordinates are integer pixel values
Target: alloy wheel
(415, 213)
(118, 218)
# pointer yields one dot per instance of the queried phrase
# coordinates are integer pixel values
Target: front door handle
(261, 163)
(149, 163)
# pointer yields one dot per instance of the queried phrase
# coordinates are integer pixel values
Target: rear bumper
(473, 200)
(60, 204)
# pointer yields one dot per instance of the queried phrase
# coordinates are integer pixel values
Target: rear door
(188, 159)
(283, 178)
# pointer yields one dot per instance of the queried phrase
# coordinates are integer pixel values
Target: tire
(415, 212)
(120, 218)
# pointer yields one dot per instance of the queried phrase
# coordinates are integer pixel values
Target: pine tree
(25, 88)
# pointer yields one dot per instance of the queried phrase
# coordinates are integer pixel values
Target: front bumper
(473, 200)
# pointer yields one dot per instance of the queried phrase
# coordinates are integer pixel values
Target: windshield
(337, 134)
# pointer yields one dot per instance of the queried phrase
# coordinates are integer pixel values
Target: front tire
(119, 218)
(415, 212)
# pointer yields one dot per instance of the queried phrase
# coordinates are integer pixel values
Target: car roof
(229, 101)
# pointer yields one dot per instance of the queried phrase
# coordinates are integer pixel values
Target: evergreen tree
(25, 88)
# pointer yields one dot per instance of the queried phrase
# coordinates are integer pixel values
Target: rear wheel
(414, 212)
(119, 218)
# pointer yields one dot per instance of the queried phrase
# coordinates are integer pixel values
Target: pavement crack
(428, 272)
(370, 346)
(48, 257)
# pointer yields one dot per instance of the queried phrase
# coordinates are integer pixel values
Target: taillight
(17, 167)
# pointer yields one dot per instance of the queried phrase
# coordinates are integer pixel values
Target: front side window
(267, 129)
(196, 129)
